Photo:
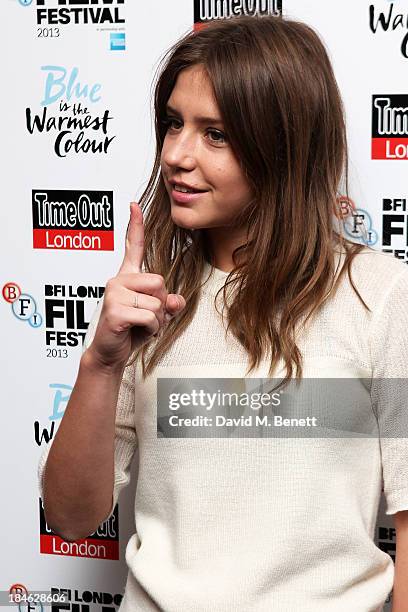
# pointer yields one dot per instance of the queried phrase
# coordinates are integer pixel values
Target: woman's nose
(180, 150)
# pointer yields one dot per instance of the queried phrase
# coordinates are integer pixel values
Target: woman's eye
(216, 136)
(217, 133)
(167, 121)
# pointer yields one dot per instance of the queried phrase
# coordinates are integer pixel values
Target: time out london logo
(101, 544)
(389, 127)
(74, 220)
(207, 10)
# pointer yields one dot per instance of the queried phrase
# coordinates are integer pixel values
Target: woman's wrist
(93, 364)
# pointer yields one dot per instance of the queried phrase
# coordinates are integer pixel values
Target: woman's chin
(185, 218)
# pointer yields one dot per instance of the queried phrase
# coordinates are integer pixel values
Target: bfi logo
(23, 305)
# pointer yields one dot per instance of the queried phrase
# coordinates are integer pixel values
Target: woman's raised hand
(136, 304)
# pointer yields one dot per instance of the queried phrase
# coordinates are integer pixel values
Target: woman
(249, 119)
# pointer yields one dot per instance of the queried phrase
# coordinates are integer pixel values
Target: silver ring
(136, 301)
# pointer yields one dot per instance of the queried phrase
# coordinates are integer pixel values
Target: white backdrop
(94, 71)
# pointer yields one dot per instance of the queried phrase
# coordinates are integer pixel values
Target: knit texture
(261, 524)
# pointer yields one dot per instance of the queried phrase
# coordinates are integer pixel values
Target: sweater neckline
(214, 278)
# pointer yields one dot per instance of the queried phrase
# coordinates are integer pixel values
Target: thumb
(174, 304)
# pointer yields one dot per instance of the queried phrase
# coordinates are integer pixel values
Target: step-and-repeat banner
(78, 146)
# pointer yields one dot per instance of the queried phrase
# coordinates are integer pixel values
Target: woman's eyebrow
(170, 109)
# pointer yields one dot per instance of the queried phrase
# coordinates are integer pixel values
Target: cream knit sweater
(267, 525)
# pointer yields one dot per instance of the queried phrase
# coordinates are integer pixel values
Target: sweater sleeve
(125, 432)
(389, 350)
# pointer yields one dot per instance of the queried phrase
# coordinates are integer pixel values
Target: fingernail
(168, 317)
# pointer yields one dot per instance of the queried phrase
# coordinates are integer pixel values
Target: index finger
(133, 259)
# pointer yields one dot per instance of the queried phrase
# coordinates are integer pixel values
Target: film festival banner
(78, 145)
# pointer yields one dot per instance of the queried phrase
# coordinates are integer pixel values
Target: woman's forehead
(194, 86)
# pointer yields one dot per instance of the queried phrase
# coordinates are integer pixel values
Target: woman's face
(196, 152)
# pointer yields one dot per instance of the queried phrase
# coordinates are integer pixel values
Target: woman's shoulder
(378, 276)
(379, 267)
(384, 264)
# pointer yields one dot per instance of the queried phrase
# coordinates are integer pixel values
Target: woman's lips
(185, 198)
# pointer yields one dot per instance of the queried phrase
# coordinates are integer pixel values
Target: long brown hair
(284, 119)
